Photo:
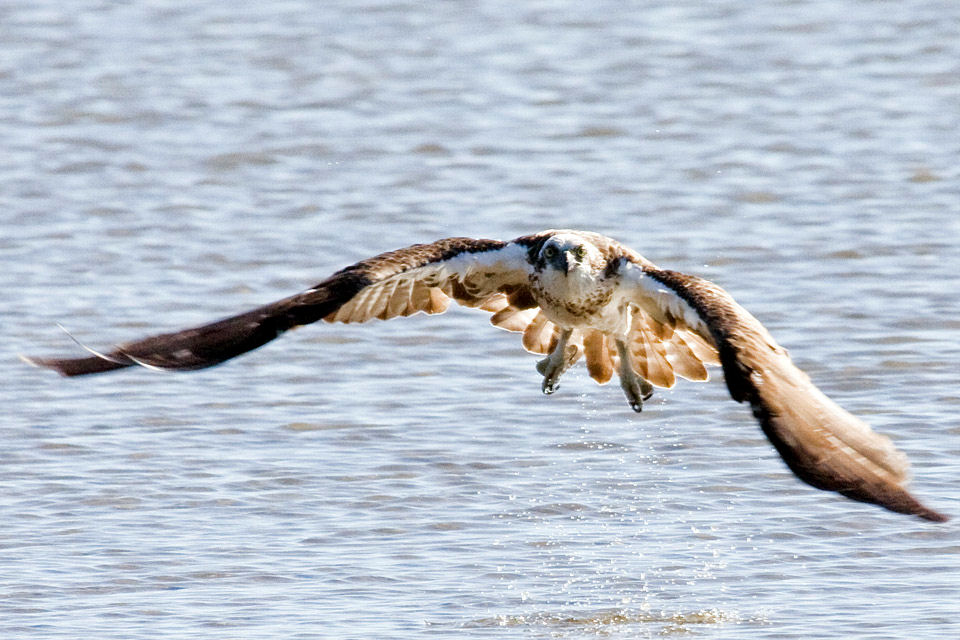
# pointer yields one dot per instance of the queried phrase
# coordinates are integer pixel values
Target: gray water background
(168, 163)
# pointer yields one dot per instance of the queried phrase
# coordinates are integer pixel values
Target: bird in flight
(573, 294)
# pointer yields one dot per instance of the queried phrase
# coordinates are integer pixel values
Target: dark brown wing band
(211, 344)
(821, 443)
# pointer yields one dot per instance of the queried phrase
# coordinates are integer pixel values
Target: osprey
(573, 294)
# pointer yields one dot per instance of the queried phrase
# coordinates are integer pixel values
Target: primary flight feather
(573, 294)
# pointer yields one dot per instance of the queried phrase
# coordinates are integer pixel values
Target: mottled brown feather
(513, 319)
(821, 443)
(213, 343)
(649, 355)
(541, 335)
(684, 361)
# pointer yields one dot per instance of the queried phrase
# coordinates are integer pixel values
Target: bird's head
(571, 254)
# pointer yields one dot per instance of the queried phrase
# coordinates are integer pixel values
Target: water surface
(166, 164)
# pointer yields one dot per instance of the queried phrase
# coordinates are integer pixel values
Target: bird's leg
(636, 388)
(559, 360)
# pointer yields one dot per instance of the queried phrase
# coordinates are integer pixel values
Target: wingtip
(33, 362)
(45, 363)
(932, 516)
(93, 352)
(897, 499)
(72, 367)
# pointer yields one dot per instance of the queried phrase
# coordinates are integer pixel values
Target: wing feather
(399, 300)
(702, 349)
(391, 284)
(541, 335)
(420, 297)
(822, 444)
(513, 319)
(650, 356)
(495, 303)
(378, 301)
(438, 301)
(681, 357)
(685, 362)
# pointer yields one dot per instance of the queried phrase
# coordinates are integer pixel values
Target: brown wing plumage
(478, 273)
(824, 445)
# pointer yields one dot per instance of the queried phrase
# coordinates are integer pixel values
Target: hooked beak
(566, 261)
(569, 261)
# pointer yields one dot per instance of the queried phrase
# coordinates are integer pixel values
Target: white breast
(580, 300)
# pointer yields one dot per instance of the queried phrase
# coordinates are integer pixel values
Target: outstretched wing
(824, 445)
(477, 273)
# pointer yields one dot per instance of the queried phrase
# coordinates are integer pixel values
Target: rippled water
(166, 163)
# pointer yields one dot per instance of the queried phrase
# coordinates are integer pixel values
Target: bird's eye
(550, 252)
(580, 252)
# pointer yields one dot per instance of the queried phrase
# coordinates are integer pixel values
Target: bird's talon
(637, 390)
(559, 360)
(646, 389)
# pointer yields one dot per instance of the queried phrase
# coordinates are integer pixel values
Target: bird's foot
(637, 390)
(553, 366)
